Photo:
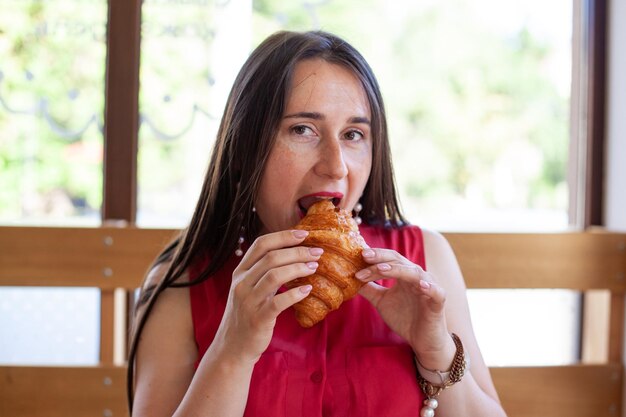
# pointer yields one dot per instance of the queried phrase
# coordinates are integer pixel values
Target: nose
(331, 162)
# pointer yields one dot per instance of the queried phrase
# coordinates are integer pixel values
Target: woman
(304, 121)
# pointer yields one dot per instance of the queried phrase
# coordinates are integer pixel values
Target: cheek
(282, 175)
(361, 166)
(285, 166)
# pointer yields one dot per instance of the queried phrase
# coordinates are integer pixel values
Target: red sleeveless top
(350, 364)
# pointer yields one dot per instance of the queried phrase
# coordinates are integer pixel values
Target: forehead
(316, 82)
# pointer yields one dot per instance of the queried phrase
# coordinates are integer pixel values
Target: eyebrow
(320, 116)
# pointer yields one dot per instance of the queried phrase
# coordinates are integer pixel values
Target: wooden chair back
(115, 259)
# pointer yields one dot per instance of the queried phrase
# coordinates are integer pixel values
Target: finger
(434, 292)
(283, 301)
(273, 279)
(378, 255)
(281, 257)
(372, 292)
(405, 272)
(271, 241)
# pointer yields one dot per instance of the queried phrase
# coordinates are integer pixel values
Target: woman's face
(323, 147)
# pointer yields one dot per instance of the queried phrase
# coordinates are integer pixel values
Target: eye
(354, 135)
(302, 130)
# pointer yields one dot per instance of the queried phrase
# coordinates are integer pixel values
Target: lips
(308, 200)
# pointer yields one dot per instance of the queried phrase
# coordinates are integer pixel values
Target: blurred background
(483, 102)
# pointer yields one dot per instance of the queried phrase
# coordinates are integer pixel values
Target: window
(51, 111)
(52, 63)
(477, 92)
(478, 100)
(502, 70)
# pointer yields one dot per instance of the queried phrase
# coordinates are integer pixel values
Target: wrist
(228, 360)
(440, 359)
(433, 382)
(440, 379)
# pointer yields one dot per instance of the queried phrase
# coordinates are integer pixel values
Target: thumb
(372, 292)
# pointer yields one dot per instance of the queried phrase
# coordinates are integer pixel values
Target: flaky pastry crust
(334, 230)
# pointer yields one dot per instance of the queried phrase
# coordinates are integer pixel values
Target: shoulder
(172, 304)
(157, 273)
(154, 279)
(170, 313)
(435, 243)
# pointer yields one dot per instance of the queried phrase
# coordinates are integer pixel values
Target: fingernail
(300, 234)
(316, 251)
(312, 265)
(368, 253)
(363, 273)
(383, 267)
(305, 289)
(424, 284)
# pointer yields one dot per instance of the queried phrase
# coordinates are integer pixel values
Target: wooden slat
(557, 391)
(121, 320)
(580, 261)
(572, 391)
(62, 391)
(107, 326)
(595, 325)
(616, 328)
(118, 257)
(95, 257)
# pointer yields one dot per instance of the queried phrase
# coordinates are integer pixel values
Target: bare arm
(475, 395)
(165, 382)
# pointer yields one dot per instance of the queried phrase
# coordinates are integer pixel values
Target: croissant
(334, 230)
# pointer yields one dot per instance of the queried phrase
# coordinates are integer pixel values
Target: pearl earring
(239, 250)
(357, 209)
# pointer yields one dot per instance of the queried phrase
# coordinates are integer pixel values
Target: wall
(615, 180)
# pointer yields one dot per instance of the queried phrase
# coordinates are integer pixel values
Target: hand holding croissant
(334, 230)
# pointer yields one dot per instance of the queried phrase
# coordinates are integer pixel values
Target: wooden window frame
(121, 127)
(596, 31)
(121, 116)
(602, 314)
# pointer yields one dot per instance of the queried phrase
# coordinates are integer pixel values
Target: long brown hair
(245, 137)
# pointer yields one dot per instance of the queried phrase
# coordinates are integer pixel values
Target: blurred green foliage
(474, 112)
(52, 58)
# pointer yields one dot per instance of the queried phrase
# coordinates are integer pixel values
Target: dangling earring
(357, 209)
(239, 250)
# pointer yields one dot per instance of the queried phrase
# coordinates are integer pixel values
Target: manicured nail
(300, 234)
(424, 284)
(368, 253)
(363, 273)
(312, 265)
(316, 251)
(305, 289)
(383, 267)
